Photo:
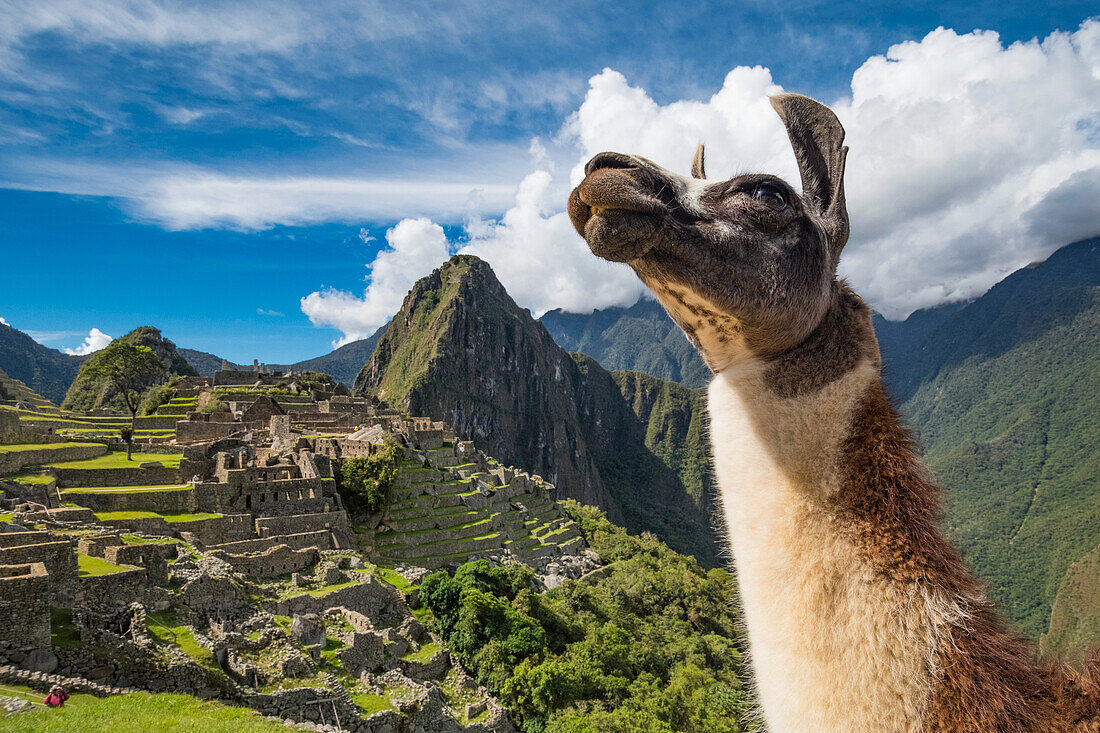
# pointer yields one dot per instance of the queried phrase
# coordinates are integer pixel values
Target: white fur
(834, 646)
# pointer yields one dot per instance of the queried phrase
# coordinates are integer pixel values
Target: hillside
(47, 371)
(461, 351)
(1005, 394)
(640, 338)
(87, 393)
(344, 363)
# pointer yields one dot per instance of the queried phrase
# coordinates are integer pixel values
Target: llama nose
(610, 160)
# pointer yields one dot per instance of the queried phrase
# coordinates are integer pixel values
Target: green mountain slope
(47, 371)
(640, 338)
(87, 393)
(462, 351)
(1074, 620)
(1005, 394)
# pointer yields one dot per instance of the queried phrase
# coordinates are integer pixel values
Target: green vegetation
(124, 370)
(118, 459)
(157, 395)
(124, 489)
(648, 645)
(24, 447)
(31, 478)
(364, 483)
(91, 566)
(641, 338)
(62, 629)
(163, 712)
(144, 514)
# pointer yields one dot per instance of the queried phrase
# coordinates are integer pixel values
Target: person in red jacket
(57, 697)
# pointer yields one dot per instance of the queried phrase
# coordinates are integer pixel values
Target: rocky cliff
(462, 351)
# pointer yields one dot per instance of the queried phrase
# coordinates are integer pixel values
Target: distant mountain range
(1003, 391)
(342, 364)
(47, 371)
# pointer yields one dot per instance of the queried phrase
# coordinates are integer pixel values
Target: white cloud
(265, 312)
(203, 199)
(541, 261)
(416, 246)
(4, 321)
(968, 160)
(94, 341)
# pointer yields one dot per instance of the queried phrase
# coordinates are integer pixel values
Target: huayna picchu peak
(462, 351)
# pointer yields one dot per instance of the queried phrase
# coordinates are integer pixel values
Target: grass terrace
(91, 566)
(30, 478)
(170, 517)
(117, 459)
(25, 447)
(124, 489)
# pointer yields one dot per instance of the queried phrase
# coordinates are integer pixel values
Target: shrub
(364, 483)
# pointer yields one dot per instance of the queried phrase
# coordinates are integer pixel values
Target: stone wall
(16, 539)
(12, 461)
(321, 539)
(24, 607)
(193, 431)
(298, 523)
(372, 598)
(218, 530)
(58, 557)
(135, 476)
(278, 560)
(144, 525)
(178, 500)
(113, 590)
(153, 557)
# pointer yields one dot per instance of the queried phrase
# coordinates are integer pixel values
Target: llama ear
(818, 141)
(698, 170)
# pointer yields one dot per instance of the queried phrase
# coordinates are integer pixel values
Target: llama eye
(770, 196)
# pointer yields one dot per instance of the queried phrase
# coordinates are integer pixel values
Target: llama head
(745, 266)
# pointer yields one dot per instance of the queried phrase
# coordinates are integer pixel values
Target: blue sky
(204, 167)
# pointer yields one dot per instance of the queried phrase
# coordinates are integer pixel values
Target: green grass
(24, 447)
(7, 517)
(171, 517)
(92, 566)
(371, 703)
(62, 630)
(425, 652)
(117, 459)
(164, 626)
(30, 478)
(123, 489)
(139, 711)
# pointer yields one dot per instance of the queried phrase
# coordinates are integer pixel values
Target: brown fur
(751, 279)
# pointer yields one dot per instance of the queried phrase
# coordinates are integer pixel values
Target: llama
(860, 615)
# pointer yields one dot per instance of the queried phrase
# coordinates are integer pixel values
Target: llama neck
(840, 639)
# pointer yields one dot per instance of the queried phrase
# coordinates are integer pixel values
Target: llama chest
(833, 646)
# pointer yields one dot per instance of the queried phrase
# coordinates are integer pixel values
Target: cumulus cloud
(94, 341)
(414, 248)
(541, 261)
(968, 160)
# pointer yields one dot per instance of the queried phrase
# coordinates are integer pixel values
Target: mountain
(640, 338)
(461, 350)
(46, 371)
(344, 363)
(1005, 395)
(87, 393)
(204, 363)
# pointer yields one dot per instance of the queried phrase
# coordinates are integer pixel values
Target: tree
(129, 369)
